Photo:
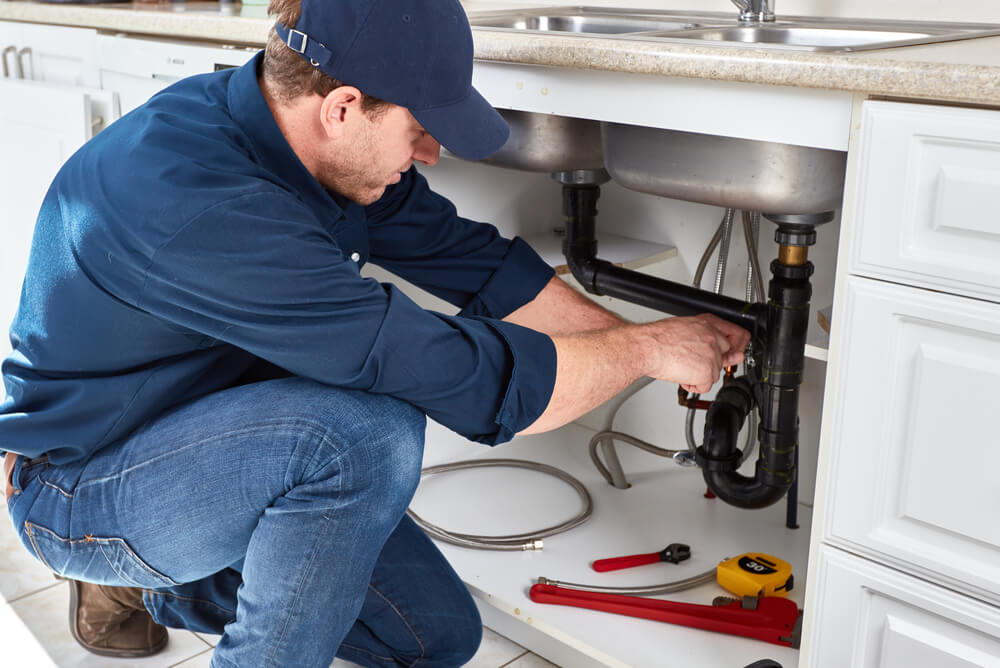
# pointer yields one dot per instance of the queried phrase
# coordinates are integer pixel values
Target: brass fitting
(793, 255)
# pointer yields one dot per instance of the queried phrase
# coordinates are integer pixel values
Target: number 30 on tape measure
(755, 574)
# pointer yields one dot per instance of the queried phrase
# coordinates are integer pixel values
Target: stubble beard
(352, 174)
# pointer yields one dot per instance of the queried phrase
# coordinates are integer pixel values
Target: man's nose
(427, 151)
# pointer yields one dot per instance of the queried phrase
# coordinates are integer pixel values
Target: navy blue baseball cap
(413, 53)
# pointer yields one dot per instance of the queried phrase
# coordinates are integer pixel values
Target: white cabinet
(913, 475)
(874, 617)
(136, 68)
(909, 448)
(927, 202)
(41, 125)
(56, 54)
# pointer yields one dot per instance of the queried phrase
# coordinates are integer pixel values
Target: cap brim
(471, 128)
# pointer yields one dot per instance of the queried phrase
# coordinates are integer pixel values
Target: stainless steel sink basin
(591, 23)
(547, 143)
(725, 171)
(722, 171)
(830, 37)
(723, 29)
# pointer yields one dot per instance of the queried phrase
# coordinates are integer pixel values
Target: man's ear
(340, 109)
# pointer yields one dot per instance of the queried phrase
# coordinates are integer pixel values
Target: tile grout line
(173, 665)
(519, 656)
(11, 601)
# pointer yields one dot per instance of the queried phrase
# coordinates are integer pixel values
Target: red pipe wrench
(771, 619)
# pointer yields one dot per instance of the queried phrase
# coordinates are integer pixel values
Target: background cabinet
(41, 125)
(136, 68)
(49, 53)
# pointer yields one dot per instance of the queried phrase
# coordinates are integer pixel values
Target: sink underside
(721, 29)
(721, 171)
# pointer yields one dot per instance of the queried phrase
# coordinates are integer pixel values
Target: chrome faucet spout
(755, 11)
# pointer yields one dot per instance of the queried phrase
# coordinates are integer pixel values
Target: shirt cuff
(519, 278)
(532, 379)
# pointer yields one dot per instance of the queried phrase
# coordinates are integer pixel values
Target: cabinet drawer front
(914, 434)
(928, 183)
(870, 616)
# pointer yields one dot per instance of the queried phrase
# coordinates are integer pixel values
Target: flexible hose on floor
(648, 590)
(514, 542)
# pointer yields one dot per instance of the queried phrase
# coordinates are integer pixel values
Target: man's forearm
(593, 366)
(559, 309)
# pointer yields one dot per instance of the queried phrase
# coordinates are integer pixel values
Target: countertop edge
(869, 74)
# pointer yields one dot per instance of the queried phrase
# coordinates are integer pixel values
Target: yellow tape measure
(755, 574)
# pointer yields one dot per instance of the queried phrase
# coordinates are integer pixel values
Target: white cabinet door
(40, 127)
(59, 55)
(926, 204)
(137, 68)
(870, 616)
(915, 448)
(10, 42)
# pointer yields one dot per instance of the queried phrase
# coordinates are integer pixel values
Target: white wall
(986, 11)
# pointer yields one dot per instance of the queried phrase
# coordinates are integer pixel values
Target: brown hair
(289, 74)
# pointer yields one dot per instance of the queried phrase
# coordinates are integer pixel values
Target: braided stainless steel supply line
(627, 438)
(751, 223)
(754, 286)
(649, 590)
(513, 542)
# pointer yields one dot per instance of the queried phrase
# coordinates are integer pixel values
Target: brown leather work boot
(112, 621)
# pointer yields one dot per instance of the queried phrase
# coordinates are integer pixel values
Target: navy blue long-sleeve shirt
(187, 242)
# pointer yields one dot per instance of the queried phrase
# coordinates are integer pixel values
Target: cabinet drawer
(928, 182)
(913, 433)
(870, 616)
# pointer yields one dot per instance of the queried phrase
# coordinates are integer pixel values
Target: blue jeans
(272, 513)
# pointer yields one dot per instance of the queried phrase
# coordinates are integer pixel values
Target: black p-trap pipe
(781, 325)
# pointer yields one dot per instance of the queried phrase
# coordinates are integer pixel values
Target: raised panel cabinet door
(40, 127)
(926, 202)
(870, 616)
(913, 434)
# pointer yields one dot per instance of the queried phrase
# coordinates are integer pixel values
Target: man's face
(380, 147)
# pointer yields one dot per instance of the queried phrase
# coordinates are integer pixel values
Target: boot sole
(74, 608)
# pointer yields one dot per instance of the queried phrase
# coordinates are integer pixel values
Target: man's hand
(595, 365)
(693, 351)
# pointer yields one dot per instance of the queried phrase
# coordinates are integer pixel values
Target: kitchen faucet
(755, 11)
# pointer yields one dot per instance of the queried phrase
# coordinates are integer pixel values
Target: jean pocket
(102, 560)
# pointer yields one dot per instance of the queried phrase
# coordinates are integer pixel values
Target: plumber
(214, 422)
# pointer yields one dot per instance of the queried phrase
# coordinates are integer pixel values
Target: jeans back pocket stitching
(90, 538)
(29, 529)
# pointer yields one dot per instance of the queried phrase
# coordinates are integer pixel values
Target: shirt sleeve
(417, 235)
(263, 274)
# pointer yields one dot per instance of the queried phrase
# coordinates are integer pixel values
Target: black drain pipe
(601, 277)
(781, 325)
(788, 319)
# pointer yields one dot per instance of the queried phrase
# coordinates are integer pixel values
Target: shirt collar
(250, 111)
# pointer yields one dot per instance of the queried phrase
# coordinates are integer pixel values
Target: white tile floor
(34, 629)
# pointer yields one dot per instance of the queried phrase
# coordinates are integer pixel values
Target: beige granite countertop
(966, 71)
